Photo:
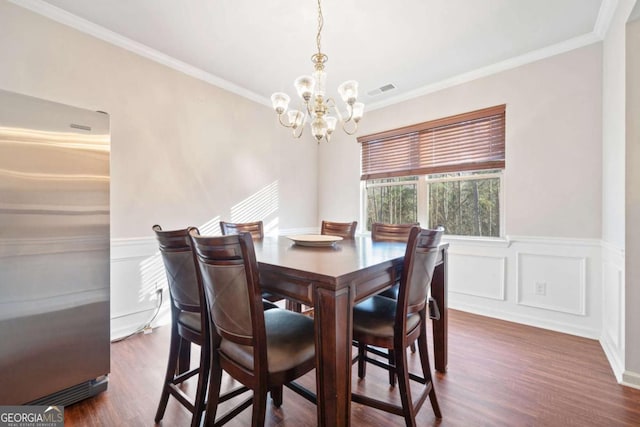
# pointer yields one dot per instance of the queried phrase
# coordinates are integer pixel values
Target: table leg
(439, 293)
(333, 322)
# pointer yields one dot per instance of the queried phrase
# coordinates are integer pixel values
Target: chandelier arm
(283, 123)
(309, 112)
(355, 127)
(331, 103)
(350, 110)
(299, 134)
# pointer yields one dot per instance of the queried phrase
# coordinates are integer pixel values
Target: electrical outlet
(541, 288)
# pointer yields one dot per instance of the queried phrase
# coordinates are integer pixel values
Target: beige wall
(554, 169)
(183, 151)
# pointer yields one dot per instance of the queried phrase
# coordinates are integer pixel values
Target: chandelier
(317, 107)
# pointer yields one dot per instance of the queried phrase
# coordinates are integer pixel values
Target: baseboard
(631, 379)
(538, 322)
(613, 357)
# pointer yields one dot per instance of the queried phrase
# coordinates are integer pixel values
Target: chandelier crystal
(318, 109)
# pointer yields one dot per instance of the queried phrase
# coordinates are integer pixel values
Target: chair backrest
(419, 263)
(391, 232)
(346, 230)
(228, 271)
(255, 228)
(175, 248)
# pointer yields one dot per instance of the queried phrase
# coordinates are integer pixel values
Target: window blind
(469, 141)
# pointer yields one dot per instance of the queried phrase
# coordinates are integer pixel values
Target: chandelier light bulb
(319, 128)
(280, 102)
(348, 91)
(304, 86)
(357, 110)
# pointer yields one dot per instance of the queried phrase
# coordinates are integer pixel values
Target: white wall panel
(477, 275)
(561, 279)
(498, 279)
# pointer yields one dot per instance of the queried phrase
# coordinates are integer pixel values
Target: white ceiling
(257, 47)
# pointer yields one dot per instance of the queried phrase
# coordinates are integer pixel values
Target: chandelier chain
(320, 25)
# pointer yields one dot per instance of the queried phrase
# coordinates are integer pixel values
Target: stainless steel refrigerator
(54, 251)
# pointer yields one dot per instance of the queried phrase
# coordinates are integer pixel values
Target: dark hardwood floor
(500, 374)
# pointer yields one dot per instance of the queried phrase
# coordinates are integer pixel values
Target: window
(444, 172)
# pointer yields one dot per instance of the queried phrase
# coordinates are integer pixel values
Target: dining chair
(188, 324)
(395, 324)
(346, 230)
(256, 229)
(263, 350)
(384, 232)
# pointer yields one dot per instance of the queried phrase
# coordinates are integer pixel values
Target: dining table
(331, 279)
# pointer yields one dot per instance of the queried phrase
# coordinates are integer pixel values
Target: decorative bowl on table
(314, 239)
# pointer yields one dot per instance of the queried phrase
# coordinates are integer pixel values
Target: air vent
(382, 89)
(81, 127)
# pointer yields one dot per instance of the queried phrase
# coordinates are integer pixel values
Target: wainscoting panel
(137, 277)
(613, 307)
(552, 282)
(477, 275)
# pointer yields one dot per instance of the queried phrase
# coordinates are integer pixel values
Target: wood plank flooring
(500, 374)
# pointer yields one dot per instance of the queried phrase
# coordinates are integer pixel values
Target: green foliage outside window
(465, 207)
(392, 204)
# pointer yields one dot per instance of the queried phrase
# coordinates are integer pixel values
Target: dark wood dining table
(331, 280)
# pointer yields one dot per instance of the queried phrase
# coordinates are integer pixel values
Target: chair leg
(392, 371)
(404, 387)
(276, 396)
(426, 372)
(293, 306)
(201, 391)
(362, 362)
(174, 348)
(215, 382)
(184, 360)
(259, 407)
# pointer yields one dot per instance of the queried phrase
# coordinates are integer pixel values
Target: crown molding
(605, 15)
(536, 55)
(63, 17)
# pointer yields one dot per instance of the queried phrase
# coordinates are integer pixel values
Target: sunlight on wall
(211, 227)
(152, 276)
(259, 206)
(262, 205)
(153, 279)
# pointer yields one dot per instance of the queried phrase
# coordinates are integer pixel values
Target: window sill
(502, 242)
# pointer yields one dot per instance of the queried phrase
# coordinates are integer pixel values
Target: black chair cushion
(290, 342)
(376, 316)
(268, 305)
(392, 292)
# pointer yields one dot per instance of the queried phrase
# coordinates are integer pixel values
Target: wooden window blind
(469, 141)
